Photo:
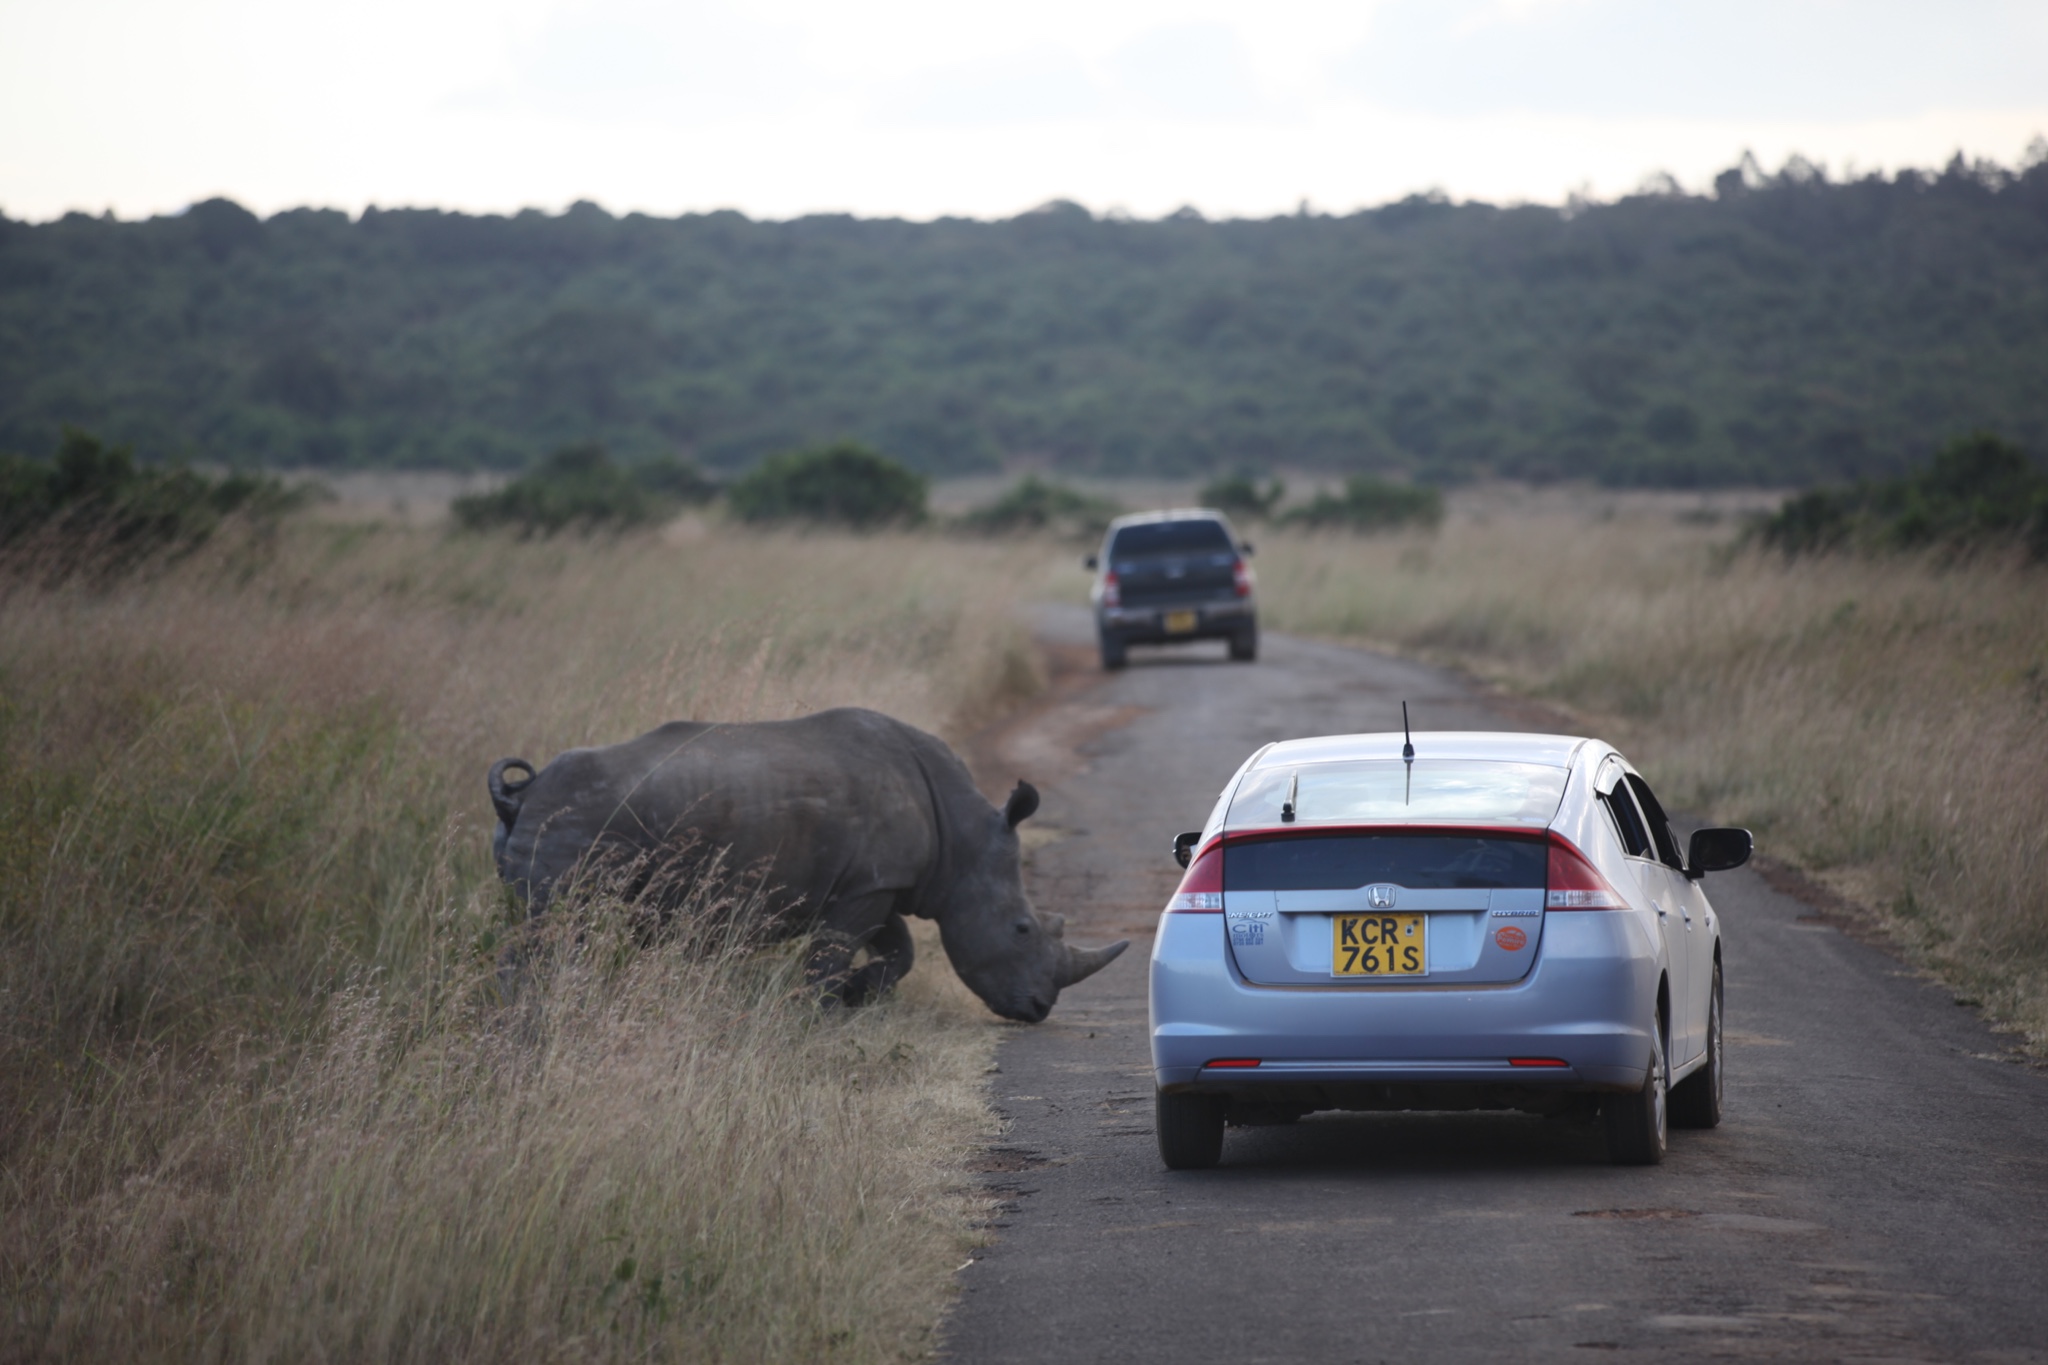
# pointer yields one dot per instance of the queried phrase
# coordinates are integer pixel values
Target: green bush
(1979, 491)
(1033, 504)
(93, 506)
(1369, 504)
(581, 487)
(845, 482)
(1238, 496)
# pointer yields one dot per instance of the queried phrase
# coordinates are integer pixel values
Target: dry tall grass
(257, 1100)
(1883, 723)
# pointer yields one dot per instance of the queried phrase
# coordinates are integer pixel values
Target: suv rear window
(1201, 536)
(1343, 862)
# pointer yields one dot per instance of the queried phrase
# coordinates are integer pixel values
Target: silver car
(1453, 921)
(1165, 577)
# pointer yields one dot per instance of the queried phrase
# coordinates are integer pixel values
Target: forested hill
(1785, 329)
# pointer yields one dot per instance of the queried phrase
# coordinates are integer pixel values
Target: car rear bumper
(1587, 1002)
(1147, 624)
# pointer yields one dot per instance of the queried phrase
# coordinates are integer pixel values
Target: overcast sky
(916, 108)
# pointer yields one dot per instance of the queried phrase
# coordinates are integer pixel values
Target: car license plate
(1379, 945)
(1179, 622)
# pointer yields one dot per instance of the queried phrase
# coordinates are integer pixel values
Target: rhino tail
(508, 792)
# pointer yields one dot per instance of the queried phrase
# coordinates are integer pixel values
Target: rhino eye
(1023, 926)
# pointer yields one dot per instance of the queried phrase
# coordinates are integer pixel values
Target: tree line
(1785, 328)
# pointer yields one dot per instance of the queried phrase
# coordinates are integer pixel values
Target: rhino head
(1017, 960)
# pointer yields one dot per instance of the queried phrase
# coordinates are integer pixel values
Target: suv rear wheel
(1244, 646)
(1114, 652)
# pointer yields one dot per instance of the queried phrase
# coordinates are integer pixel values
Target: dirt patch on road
(1046, 742)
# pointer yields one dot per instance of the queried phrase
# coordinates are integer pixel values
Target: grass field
(1880, 723)
(258, 1100)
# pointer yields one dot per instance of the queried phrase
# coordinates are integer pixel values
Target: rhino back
(821, 807)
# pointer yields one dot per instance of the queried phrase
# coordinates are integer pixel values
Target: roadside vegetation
(1881, 721)
(90, 506)
(259, 1098)
(580, 488)
(1979, 493)
(1044, 506)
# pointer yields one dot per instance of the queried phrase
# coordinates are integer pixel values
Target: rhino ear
(1022, 802)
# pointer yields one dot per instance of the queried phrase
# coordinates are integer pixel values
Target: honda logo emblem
(1380, 897)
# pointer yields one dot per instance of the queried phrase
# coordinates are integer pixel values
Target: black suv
(1163, 577)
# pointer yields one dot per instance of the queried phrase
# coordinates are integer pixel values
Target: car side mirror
(1247, 548)
(1091, 563)
(1717, 850)
(1184, 846)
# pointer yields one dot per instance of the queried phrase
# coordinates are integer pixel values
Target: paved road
(1878, 1190)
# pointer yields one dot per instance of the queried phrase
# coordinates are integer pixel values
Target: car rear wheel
(1244, 646)
(1696, 1100)
(1114, 652)
(1636, 1123)
(1190, 1131)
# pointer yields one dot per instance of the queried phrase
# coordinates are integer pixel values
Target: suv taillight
(1201, 889)
(1112, 594)
(1241, 575)
(1573, 883)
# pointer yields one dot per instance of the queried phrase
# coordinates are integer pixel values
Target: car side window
(1628, 821)
(1660, 824)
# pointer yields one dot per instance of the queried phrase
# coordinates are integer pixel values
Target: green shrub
(1033, 504)
(1979, 491)
(1369, 504)
(678, 479)
(92, 506)
(844, 482)
(581, 487)
(1238, 496)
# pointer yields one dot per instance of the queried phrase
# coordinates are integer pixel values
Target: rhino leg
(890, 953)
(867, 922)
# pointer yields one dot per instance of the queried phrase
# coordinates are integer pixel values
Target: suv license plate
(1379, 945)
(1180, 622)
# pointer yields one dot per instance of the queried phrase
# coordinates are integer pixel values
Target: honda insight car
(1448, 921)
(1165, 577)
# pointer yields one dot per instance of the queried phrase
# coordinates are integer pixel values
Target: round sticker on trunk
(1510, 938)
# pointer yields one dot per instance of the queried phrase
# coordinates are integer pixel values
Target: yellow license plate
(1179, 622)
(1380, 945)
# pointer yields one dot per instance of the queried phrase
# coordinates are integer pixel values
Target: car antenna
(1287, 806)
(1407, 757)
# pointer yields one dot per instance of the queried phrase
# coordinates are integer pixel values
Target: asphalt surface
(1877, 1191)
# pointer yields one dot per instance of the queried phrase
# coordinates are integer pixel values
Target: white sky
(917, 108)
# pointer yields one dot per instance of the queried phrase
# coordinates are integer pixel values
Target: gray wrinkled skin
(855, 820)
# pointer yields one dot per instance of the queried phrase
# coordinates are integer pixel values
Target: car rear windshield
(1342, 862)
(1169, 538)
(1377, 790)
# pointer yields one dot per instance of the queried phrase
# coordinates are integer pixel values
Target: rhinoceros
(854, 820)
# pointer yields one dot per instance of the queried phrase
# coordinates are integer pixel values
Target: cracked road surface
(1878, 1190)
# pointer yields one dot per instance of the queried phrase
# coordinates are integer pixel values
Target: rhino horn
(1082, 963)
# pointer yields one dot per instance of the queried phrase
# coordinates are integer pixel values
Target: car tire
(1244, 646)
(1636, 1124)
(1696, 1100)
(1190, 1130)
(1114, 652)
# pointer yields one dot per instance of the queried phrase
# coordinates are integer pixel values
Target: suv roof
(1169, 514)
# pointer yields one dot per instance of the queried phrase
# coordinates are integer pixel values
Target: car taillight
(1201, 889)
(1241, 575)
(1112, 595)
(1573, 883)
